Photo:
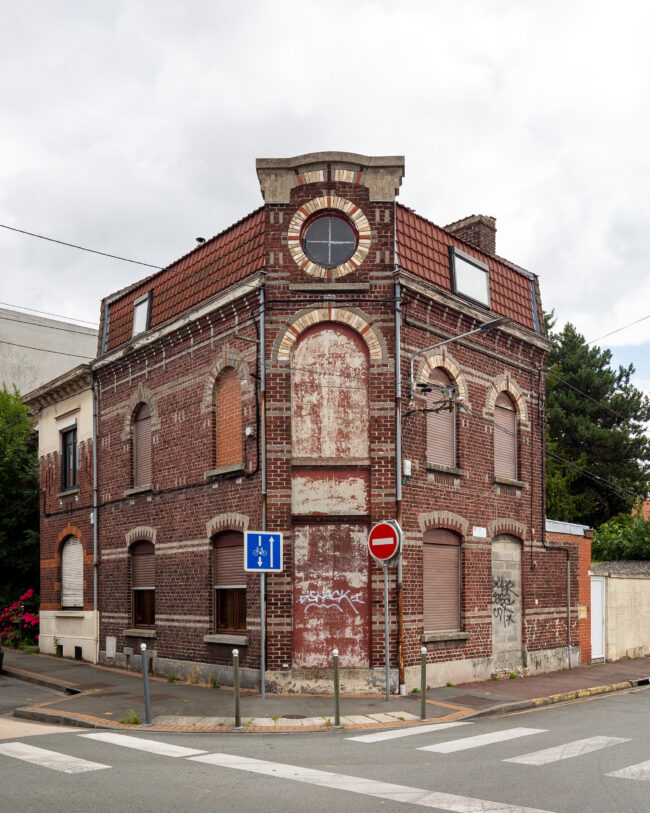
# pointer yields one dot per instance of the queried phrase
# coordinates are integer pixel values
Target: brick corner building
(331, 360)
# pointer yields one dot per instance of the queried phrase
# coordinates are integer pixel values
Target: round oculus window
(329, 240)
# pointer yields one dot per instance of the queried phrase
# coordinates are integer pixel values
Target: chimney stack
(477, 230)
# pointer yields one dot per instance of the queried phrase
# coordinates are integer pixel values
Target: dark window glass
(231, 609)
(69, 459)
(329, 241)
(144, 607)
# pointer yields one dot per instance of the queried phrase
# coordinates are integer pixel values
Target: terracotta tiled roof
(215, 265)
(423, 250)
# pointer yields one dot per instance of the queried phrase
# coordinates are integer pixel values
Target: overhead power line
(48, 313)
(47, 350)
(81, 248)
(49, 327)
(618, 329)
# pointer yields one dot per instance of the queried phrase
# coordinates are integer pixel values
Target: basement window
(469, 277)
(141, 314)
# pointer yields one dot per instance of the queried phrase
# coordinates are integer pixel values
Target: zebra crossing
(450, 742)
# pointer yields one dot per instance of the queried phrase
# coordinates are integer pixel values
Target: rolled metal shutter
(142, 447)
(441, 580)
(144, 565)
(229, 565)
(505, 437)
(441, 445)
(72, 574)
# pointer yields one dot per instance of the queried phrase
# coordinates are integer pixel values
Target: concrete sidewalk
(100, 697)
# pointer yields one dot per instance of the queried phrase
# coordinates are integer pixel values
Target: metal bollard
(337, 707)
(145, 680)
(235, 668)
(423, 683)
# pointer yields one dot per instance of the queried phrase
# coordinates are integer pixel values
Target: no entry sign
(385, 541)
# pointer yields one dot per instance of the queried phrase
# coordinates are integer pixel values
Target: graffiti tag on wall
(503, 600)
(331, 598)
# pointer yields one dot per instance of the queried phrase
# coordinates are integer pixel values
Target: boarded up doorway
(506, 604)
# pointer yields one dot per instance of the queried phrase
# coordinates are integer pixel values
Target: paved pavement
(101, 697)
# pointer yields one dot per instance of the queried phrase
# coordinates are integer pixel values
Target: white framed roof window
(469, 277)
(141, 314)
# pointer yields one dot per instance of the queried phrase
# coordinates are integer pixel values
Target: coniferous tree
(596, 420)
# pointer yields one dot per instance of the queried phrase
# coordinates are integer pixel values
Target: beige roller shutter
(72, 574)
(142, 447)
(441, 580)
(229, 560)
(441, 445)
(144, 565)
(505, 437)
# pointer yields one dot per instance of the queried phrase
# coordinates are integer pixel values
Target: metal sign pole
(386, 632)
(263, 634)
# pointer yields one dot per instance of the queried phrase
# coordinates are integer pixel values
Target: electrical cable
(48, 313)
(47, 350)
(618, 329)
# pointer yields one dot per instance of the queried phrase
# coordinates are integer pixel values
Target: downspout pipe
(95, 521)
(262, 348)
(398, 482)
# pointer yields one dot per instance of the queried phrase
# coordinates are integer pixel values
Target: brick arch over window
(141, 533)
(330, 416)
(505, 525)
(141, 395)
(446, 362)
(348, 316)
(443, 519)
(228, 358)
(506, 384)
(226, 522)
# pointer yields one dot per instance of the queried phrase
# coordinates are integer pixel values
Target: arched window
(142, 451)
(505, 437)
(229, 582)
(441, 424)
(228, 411)
(143, 584)
(72, 574)
(441, 580)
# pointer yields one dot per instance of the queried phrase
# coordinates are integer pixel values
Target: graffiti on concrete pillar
(503, 600)
(331, 598)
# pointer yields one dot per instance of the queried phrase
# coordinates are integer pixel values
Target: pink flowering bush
(10, 619)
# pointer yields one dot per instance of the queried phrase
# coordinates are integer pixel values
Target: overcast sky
(133, 127)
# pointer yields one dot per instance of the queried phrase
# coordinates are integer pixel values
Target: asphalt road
(16, 693)
(591, 755)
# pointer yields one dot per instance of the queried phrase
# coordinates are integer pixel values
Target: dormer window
(469, 277)
(141, 314)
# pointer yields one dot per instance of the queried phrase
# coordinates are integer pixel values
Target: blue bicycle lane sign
(262, 552)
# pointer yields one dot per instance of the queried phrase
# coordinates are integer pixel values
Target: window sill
(139, 633)
(432, 637)
(69, 492)
(330, 461)
(445, 469)
(231, 468)
(506, 481)
(70, 613)
(130, 492)
(223, 638)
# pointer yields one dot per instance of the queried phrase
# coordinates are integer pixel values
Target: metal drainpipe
(398, 484)
(95, 516)
(262, 347)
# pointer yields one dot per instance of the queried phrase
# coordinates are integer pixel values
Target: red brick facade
(322, 400)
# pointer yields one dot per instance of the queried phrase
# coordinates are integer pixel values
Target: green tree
(595, 421)
(622, 537)
(19, 538)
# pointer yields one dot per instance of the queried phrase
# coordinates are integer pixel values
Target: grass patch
(171, 678)
(212, 682)
(131, 718)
